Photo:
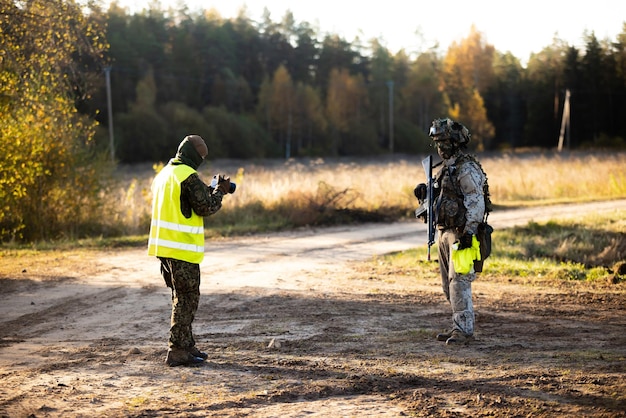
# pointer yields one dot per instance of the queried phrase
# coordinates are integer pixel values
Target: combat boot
(181, 357)
(197, 353)
(459, 337)
(444, 336)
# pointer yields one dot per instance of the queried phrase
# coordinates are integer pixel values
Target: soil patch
(295, 325)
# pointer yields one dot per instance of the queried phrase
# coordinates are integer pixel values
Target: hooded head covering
(192, 151)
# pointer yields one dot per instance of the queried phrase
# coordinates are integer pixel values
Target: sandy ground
(295, 325)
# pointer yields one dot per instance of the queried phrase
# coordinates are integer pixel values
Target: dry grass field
(299, 190)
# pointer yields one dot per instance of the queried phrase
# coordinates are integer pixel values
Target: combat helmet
(446, 128)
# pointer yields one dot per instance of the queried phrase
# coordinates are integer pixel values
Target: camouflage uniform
(460, 207)
(184, 277)
(459, 190)
(179, 244)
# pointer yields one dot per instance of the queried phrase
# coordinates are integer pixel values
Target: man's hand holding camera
(223, 184)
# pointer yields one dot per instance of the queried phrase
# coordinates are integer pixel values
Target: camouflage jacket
(461, 203)
(197, 196)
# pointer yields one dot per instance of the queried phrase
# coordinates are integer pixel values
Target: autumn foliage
(49, 175)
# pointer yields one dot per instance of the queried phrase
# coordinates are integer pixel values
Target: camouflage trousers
(184, 280)
(456, 287)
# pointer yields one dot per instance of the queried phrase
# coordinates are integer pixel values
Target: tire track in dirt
(42, 321)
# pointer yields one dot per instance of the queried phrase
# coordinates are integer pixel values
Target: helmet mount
(445, 128)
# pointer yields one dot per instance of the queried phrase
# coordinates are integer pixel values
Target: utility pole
(107, 72)
(565, 122)
(390, 86)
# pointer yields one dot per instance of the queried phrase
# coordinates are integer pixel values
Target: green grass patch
(591, 248)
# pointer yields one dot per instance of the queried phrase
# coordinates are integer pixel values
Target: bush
(239, 135)
(141, 135)
(183, 120)
(50, 175)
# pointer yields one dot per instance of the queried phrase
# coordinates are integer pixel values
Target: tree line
(256, 90)
(273, 89)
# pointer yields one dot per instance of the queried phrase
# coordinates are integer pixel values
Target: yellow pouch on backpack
(463, 260)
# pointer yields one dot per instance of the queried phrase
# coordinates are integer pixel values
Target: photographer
(180, 201)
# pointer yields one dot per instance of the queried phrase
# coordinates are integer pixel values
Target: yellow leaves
(346, 97)
(289, 107)
(281, 98)
(41, 134)
(468, 72)
(157, 167)
(45, 36)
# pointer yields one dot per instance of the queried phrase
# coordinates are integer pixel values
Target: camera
(232, 189)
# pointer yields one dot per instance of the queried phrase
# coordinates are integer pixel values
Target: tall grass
(280, 194)
(549, 177)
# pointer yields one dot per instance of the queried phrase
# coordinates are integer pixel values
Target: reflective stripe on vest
(171, 234)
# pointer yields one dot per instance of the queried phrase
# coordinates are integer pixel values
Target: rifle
(426, 208)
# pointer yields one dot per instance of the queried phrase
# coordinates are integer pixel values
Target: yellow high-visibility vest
(463, 260)
(171, 234)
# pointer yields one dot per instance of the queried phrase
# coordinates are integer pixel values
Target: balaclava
(192, 151)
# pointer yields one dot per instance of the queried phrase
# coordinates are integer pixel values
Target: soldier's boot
(181, 357)
(459, 337)
(444, 336)
(197, 353)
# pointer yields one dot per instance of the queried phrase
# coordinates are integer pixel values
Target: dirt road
(90, 340)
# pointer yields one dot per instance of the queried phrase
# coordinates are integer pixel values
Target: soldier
(458, 209)
(180, 201)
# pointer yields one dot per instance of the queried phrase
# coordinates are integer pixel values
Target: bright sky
(521, 27)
